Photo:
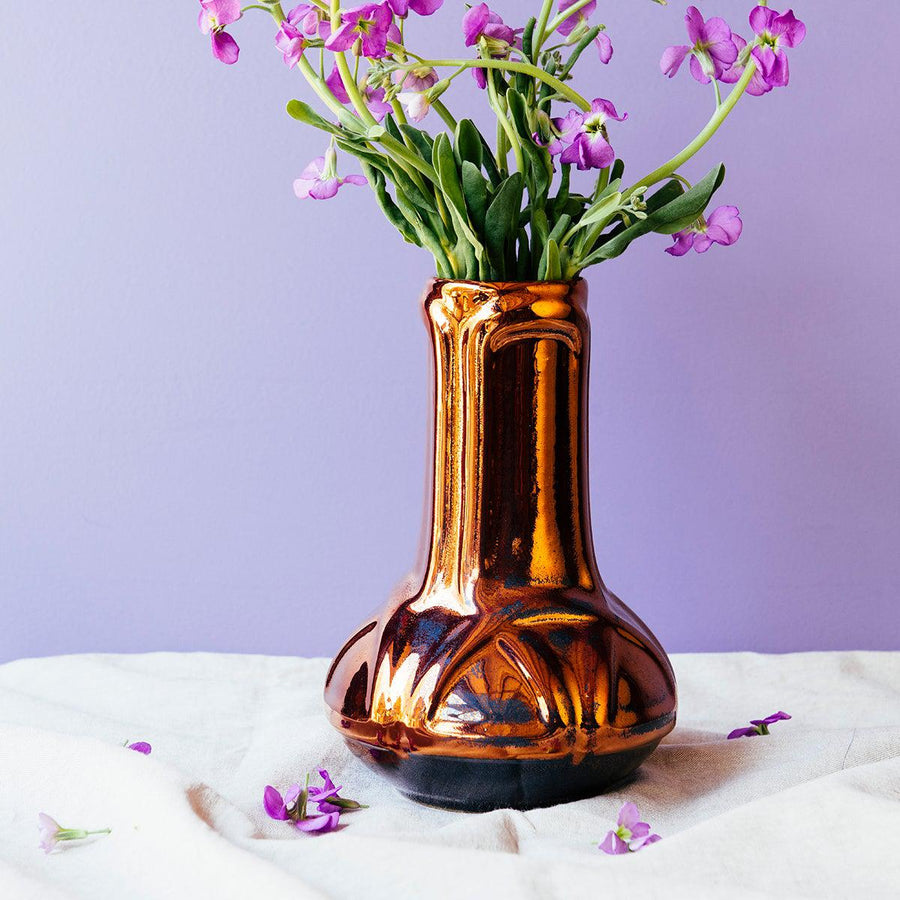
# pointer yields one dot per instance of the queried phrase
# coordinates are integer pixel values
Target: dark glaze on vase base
(503, 672)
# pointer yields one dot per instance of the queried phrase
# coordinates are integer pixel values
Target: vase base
(482, 785)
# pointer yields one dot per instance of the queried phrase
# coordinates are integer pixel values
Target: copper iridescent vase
(503, 672)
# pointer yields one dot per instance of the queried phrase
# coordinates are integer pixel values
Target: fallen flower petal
(758, 726)
(51, 832)
(630, 834)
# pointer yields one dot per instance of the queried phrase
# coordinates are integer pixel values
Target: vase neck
(510, 493)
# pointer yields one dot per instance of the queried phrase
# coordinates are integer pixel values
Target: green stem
(508, 65)
(712, 126)
(541, 27)
(445, 114)
(500, 110)
(571, 11)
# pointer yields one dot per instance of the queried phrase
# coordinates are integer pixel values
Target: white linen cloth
(809, 811)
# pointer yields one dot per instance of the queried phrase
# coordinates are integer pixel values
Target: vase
(503, 672)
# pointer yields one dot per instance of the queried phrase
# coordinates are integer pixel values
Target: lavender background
(213, 397)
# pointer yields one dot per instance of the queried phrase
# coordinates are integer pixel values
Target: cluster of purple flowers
(398, 87)
(716, 52)
(296, 804)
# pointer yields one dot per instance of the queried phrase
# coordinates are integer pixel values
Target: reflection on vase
(503, 672)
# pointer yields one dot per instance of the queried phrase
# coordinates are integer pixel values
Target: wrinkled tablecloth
(810, 810)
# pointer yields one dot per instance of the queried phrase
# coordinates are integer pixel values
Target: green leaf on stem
(468, 144)
(502, 220)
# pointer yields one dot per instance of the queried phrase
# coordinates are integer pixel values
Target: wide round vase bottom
(502, 672)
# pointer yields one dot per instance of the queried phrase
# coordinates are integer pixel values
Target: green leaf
(662, 214)
(390, 209)
(550, 268)
(303, 112)
(477, 194)
(468, 144)
(444, 163)
(540, 164)
(501, 221)
(422, 141)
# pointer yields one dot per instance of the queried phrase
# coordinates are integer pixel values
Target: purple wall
(213, 396)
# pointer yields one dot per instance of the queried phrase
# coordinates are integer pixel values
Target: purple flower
(760, 726)
(323, 823)
(712, 49)
(580, 138)
(365, 29)
(320, 181)
(52, 832)
(291, 42)
(757, 85)
(374, 97)
(294, 805)
(579, 19)
(214, 16)
(483, 26)
(420, 79)
(722, 226)
(401, 8)
(141, 747)
(775, 31)
(311, 20)
(630, 834)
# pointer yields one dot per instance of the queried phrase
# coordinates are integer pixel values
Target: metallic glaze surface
(504, 644)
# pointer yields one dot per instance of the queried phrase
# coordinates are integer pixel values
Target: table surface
(810, 810)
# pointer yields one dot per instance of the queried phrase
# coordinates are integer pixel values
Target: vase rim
(514, 293)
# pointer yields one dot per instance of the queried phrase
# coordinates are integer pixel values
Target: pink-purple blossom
(775, 31)
(320, 181)
(364, 29)
(374, 97)
(51, 832)
(295, 805)
(214, 16)
(580, 19)
(482, 25)
(722, 226)
(311, 20)
(401, 8)
(757, 86)
(580, 138)
(758, 726)
(712, 49)
(630, 833)
(291, 42)
(141, 747)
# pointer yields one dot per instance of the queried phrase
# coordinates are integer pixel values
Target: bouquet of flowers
(507, 209)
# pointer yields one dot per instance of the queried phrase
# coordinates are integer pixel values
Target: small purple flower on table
(320, 181)
(365, 30)
(578, 21)
(401, 8)
(214, 16)
(580, 138)
(140, 747)
(722, 226)
(712, 48)
(774, 32)
(481, 25)
(630, 833)
(52, 832)
(295, 805)
(758, 726)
